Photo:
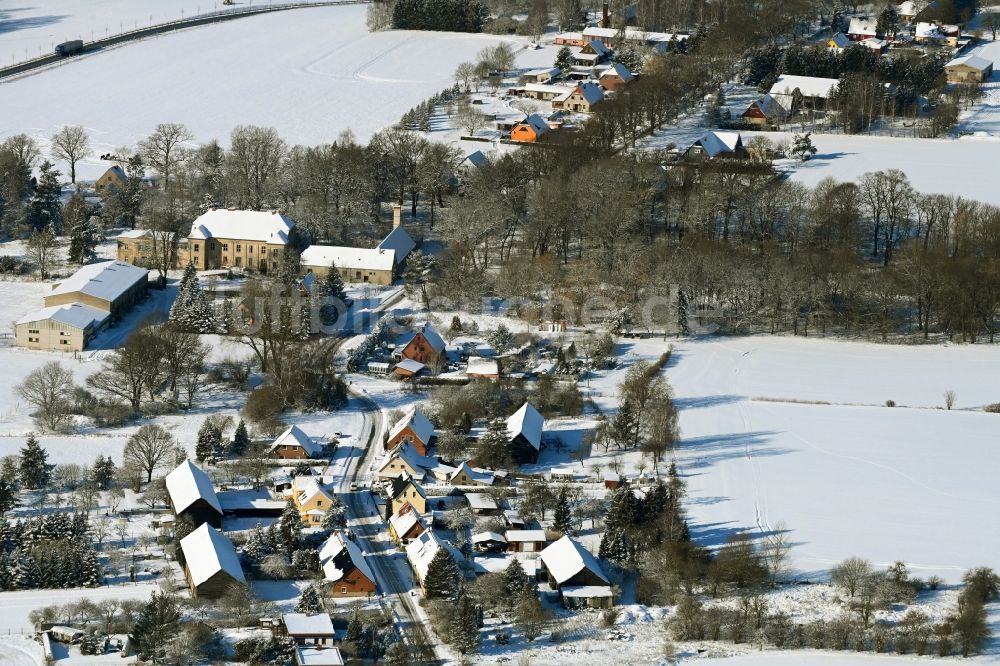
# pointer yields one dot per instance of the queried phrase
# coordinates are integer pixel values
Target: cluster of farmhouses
(78, 308)
(411, 487)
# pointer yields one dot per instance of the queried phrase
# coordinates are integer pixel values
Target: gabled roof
(528, 422)
(524, 535)
(591, 92)
(477, 365)
(477, 475)
(633, 33)
(598, 47)
(117, 171)
(935, 30)
(339, 555)
(863, 26)
(301, 624)
(619, 70)
(809, 86)
(356, 258)
(207, 552)
(840, 40)
(982, 64)
(537, 123)
(251, 225)
(421, 426)
(405, 519)
(425, 329)
(318, 655)
(401, 482)
(488, 536)
(422, 550)
(410, 365)
(106, 280)
(400, 242)
(551, 71)
(76, 315)
(309, 489)
(717, 143)
(187, 483)
(477, 159)
(408, 455)
(293, 436)
(481, 501)
(566, 558)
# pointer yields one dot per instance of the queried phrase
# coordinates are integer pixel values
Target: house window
(239, 261)
(225, 247)
(196, 247)
(239, 248)
(319, 503)
(274, 252)
(225, 259)
(33, 330)
(343, 590)
(64, 342)
(250, 249)
(32, 339)
(250, 262)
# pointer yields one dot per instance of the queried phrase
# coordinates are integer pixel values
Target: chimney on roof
(606, 16)
(397, 216)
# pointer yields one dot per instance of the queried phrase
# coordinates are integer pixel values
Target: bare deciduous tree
(72, 145)
(851, 574)
(149, 449)
(48, 389)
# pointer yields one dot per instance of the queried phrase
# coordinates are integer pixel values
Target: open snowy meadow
(310, 73)
(796, 431)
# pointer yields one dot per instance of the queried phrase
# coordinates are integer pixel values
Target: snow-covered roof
(553, 88)
(480, 501)
(570, 36)
(874, 43)
(632, 33)
(410, 365)
(482, 476)
(478, 365)
(407, 454)
(550, 71)
(421, 426)
(187, 483)
(293, 436)
(907, 8)
(717, 143)
(400, 242)
(309, 489)
(514, 536)
(301, 624)
(863, 26)
(537, 123)
(619, 70)
(566, 558)
(106, 280)
(358, 258)
(250, 225)
(76, 315)
(134, 233)
(809, 86)
(405, 519)
(528, 422)
(488, 536)
(207, 552)
(477, 159)
(402, 482)
(425, 329)
(315, 655)
(422, 550)
(339, 554)
(935, 30)
(982, 64)
(591, 92)
(598, 47)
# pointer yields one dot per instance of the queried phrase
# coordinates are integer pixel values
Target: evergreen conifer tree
(156, 626)
(464, 635)
(35, 470)
(492, 450)
(564, 59)
(191, 309)
(682, 313)
(515, 580)
(562, 519)
(290, 529)
(8, 498)
(241, 440)
(443, 576)
(44, 208)
(209, 440)
(310, 602)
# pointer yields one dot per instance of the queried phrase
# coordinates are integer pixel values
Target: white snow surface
(849, 478)
(310, 73)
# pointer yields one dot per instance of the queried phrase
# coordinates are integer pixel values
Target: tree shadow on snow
(706, 451)
(8, 24)
(707, 401)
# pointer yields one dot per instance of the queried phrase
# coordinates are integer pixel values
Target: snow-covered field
(310, 73)
(42, 25)
(848, 478)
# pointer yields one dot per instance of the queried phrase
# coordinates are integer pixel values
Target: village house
(530, 129)
(717, 145)
(583, 98)
(293, 444)
(576, 574)
(355, 264)
(405, 525)
(815, 91)
(907, 11)
(311, 499)
(861, 29)
(191, 494)
(570, 39)
(593, 53)
(306, 629)
(838, 42)
(422, 345)
(634, 35)
(312, 655)
(525, 541)
(968, 69)
(420, 552)
(413, 428)
(615, 78)
(489, 542)
(111, 180)
(405, 490)
(408, 368)
(542, 91)
(541, 75)
(345, 568)
(400, 460)
(936, 33)
(768, 110)
(524, 430)
(211, 565)
(464, 475)
(478, 367)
